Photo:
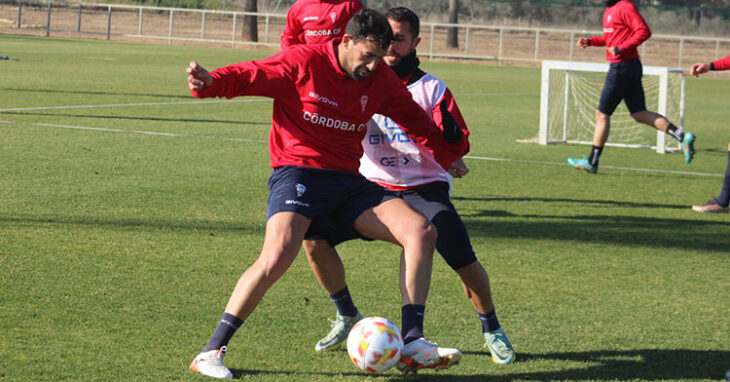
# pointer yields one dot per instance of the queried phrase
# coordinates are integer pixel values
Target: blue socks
(343, 303)
(490, 322)
(226, 328)
(412, 322)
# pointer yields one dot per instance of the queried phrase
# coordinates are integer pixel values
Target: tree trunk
(452, 35)
(250, 30)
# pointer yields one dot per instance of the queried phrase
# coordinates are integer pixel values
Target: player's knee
(601, 116)
(274, 265)
(416, 232)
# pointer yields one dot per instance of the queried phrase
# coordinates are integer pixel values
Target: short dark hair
(401, 14)
(370, 25)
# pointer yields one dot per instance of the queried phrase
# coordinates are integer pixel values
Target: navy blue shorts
(316, 193)
(623, 81)
(432, 201)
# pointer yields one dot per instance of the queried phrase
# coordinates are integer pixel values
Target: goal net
(569, 96)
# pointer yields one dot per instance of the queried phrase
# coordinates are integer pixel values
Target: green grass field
(118, 249)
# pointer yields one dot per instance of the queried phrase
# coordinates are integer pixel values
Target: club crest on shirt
(363, 102)
(333, 16)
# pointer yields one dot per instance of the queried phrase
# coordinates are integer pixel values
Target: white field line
(602, 166)
(141, 132)
(132, 104)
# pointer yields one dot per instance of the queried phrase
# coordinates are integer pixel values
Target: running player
(398, 163)
(324, 95)
(623, 30)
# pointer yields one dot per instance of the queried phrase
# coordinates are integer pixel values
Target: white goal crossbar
(552, 115)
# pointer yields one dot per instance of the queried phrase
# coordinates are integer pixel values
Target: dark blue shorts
(431, 200)
(316, 193)
(623, 81)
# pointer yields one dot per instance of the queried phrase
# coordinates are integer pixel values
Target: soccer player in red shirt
(404, 166)
(623, 31)
(324, 95)
(317, 21)
(721, 201)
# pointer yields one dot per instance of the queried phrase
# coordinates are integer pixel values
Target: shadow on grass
(157, 119)
(639, 231)
(618, 365)
(613, 203)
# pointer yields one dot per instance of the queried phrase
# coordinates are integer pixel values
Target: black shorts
(431, 200)
(316, 193)
(623, 81)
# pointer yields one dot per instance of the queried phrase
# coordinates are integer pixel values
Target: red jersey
(317, 21)
(722, 64)
(623, 27)
(320, 114)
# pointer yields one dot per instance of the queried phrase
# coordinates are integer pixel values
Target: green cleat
(500, 347)
(338, 335)
(583, 164)
(688, 146)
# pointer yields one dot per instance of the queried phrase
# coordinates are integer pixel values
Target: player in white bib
(396, 162)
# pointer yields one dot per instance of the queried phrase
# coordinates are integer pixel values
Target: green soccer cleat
(583, 164)
(688, 146)
(338, 335)
(500, 347)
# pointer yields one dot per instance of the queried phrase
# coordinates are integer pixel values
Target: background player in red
(324, 95)
(317, 21)
(623, 31)
(397, 163)
(721, 201)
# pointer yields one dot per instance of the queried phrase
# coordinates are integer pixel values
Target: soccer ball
(375, 344)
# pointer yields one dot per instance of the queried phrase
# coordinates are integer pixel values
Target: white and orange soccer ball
(375, 344)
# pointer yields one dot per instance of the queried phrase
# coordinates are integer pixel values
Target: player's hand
(458, 168)
(584, 42)
(699, 68)
(199, 78)
(613, 50)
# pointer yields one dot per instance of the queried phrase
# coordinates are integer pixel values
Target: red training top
(722, 64)
(317, 21)
(320, 114)
(623, 27)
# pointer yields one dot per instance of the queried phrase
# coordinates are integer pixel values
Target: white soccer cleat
(210, 363)
(424, 354)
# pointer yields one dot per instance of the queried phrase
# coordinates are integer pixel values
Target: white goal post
(569, 95)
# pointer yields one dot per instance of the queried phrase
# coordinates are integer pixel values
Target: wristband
(712, 66)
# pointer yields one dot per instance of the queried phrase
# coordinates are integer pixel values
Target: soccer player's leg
(284, 235)
(291, 206)
(454, 246)
(721, 202)
(330, 272)
(397, 222)
(611, 95)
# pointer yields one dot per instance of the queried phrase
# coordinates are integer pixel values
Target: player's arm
(701, 67)
(292, 31)
(270, 77)
(447, 117)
